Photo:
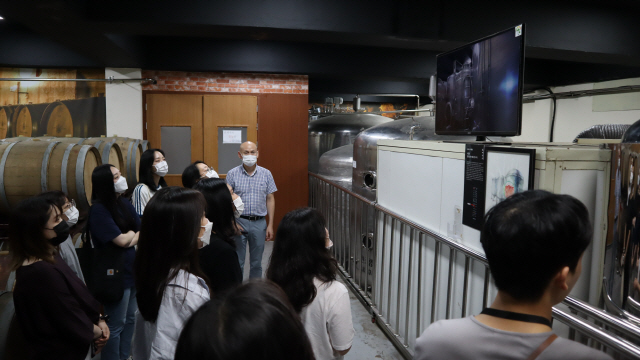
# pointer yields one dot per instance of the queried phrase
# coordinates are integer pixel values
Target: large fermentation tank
(337, 130)
(365, 148)
(335, 165)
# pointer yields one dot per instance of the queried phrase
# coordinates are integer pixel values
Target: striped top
(141, 196)
(252, 189)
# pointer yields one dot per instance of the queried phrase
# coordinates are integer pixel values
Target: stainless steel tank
(365, 148)
(337, 130)
(337, 164)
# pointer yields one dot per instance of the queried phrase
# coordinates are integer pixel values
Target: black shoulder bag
(103, 268)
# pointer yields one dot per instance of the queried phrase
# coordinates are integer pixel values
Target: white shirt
(327, 320)
(181, 298)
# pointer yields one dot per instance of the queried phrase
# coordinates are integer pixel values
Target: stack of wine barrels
(80, 117)
(31, 166)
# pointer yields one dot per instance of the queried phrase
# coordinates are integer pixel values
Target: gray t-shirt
(467, 338)
(68, 254)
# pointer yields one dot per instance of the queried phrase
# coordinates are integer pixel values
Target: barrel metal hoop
(63, 171)
(105, 151)
(3, 192)
(45, 165)
(133, 157)
(82, 155)
(81, 141)
(129, 156)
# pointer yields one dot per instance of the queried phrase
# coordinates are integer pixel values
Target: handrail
(576, 322)
(601, 315)
(600, 335)
(359, 197)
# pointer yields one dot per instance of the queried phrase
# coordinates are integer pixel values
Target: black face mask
(62, 233)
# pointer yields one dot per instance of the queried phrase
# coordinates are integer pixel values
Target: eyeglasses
(70, 204)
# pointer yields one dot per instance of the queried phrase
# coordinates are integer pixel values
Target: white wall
(124, 104)
(572, 115)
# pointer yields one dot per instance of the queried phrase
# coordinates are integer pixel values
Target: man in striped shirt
(255, 186)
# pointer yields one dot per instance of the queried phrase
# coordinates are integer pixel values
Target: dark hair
(103, 192)
(57, 197)
(191, 175)
(530, 236)
(255, 321)
(219, 208)
(26, 235)
(145, 173)
(299, 255)
(167, 244)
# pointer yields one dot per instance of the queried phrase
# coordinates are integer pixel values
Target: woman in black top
(56, 311)
(113, 222)
(219, 259)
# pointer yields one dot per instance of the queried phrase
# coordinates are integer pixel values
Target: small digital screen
(479, 86)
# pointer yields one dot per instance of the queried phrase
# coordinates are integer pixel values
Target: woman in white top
(153, 168)
(302, 265)
(170, 284)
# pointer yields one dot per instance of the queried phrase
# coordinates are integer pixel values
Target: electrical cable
(553, 117)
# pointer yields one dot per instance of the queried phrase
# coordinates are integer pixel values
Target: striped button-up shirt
(252, 189)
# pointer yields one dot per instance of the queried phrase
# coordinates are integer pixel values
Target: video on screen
(479, 86)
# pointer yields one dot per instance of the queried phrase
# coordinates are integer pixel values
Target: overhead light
(1, 18)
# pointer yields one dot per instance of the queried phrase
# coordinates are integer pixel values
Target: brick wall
(227, 82)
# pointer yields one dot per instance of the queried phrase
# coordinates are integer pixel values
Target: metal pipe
(581, 93)
(485, 292)
(409, 285)
(602, 336)
(452, 260)
(465, 291)
(110, 80)
(436, 273)
(419, 292)
(602, 316)
(400, 261)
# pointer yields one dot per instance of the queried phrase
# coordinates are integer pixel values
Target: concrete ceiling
(344, 46)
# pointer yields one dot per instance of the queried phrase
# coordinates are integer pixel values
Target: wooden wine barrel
(28, 168)
(131, 152)
(18, 139)
(6, 113)
(26, 119)
(110, 152)
(81, 118)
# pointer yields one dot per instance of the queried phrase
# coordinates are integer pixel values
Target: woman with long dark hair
(153, 168)
(171, 286)
(306, 271)
(114, 222)
(195, 172)
(218, 257)
(70, 214)
(253, 322)
(57, 313)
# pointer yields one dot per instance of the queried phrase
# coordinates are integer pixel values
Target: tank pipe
(396, 95)
(110, 80)
(581, 93)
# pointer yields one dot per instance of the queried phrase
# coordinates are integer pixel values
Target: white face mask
(330, 245)
(206, 237)
(121, 185)
(161, 168)
(72, 214)
(211, 174)
(239, 207)
(249, 160)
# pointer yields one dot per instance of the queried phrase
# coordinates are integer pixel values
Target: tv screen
(479, 86)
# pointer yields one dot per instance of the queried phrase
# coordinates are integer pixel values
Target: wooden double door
(209, 128)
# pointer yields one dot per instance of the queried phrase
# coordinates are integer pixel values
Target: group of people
(175, 289)
(180, 293)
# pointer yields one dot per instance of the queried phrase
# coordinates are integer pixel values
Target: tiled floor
(369, 341)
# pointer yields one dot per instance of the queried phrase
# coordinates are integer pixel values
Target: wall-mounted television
(479, 86)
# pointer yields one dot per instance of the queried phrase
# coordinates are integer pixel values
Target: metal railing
(408, 276)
